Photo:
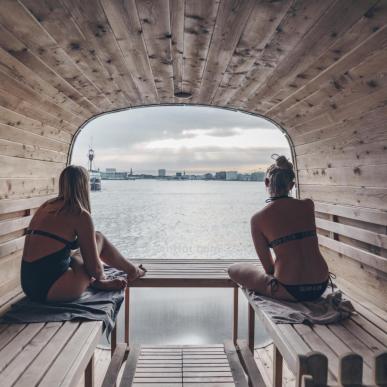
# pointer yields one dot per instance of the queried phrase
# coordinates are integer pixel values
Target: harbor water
(185, 220)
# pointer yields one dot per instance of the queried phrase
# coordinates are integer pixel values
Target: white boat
(95, 181)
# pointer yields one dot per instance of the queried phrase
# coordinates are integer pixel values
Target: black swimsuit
(37, 277)
(302, 292)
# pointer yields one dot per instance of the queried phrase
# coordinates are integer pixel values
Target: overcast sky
(194, 139)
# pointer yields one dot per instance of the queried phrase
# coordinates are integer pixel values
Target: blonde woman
(298, 271)
(51, 270)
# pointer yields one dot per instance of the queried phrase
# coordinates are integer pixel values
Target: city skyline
(195, 139)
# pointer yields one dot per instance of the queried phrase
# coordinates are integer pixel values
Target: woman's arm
(262, 247)
(88, 245)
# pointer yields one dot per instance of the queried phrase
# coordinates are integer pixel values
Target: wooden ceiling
(68, 60)
(316, 67)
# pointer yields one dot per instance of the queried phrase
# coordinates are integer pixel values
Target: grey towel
(328, 309)
(92, 305)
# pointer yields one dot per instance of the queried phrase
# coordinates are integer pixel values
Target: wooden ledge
(210, 273)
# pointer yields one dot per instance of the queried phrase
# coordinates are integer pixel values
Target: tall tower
(90, 156)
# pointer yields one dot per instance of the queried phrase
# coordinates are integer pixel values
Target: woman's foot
(110, 284)
(140, 272)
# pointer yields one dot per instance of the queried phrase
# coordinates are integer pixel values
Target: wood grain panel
(315, 67)
(335, 36)
(20, 188)
(57, 21)
(295, 24)
(177, 10)
(200, 17)
(16, 18)
(368, 197)
(125, 23)
(260, 27)
(230, 22)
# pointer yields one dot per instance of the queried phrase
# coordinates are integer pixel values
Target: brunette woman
(286, 226)
(63, 254)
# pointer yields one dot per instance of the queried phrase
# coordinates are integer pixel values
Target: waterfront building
(220, 175)
(231, 175)
(257, 176)
(162, 172)
(243, 177)
(112, 174)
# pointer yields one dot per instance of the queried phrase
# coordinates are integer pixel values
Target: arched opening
(181, 218)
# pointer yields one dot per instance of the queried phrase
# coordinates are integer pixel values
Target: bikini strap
(293, 237)
(52, 236)
(331, 277)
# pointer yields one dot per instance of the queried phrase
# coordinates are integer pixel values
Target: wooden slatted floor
(187, 272)
(183, 365)
(263, 357)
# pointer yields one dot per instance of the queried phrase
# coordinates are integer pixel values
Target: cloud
(176, 138)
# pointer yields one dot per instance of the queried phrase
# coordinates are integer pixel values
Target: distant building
(220, 175)
(162, 172)
(243, 177)
(231, 175)
(112, 174)
(257, 176)
(208, 176)
(179, 175)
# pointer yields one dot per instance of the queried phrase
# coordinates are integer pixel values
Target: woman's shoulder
(307, 202)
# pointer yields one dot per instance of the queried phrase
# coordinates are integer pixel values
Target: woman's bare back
(296, 261)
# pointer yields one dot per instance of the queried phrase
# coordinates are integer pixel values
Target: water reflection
(159, 219)
(185, 316)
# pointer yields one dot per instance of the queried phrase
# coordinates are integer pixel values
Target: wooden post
(127, 312)
(315, 364)
(113, 340)
(351, 370)
(381, 369)
(307, 381)
(277, 367)
(235, 315)
(251, 328)
(89, 373)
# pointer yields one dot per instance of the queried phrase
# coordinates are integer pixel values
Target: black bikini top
(72, 245)
(292, 237)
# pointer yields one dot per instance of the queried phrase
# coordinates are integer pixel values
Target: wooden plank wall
(317, 68)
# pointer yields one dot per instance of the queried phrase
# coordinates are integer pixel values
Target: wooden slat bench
(185, 365)
(48, 354)
(364, 334)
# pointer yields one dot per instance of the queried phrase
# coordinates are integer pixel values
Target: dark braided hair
(280, 175)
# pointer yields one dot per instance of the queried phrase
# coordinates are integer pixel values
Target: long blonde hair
(74, 190)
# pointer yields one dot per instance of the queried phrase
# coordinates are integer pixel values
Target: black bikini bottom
(37, 277)
(302, 292)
